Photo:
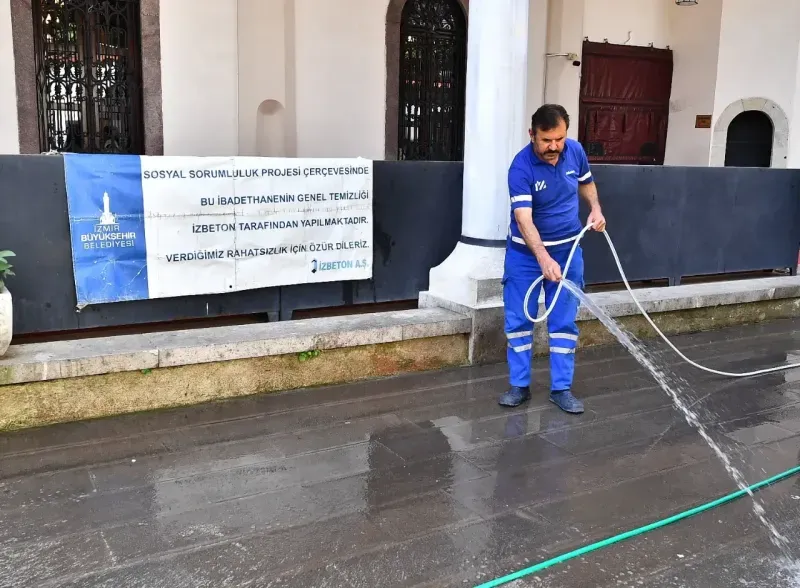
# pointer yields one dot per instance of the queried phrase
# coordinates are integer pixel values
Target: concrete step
(38, 362)
(45, 383)
(679, 309)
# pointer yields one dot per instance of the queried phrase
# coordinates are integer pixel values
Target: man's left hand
(597, 220)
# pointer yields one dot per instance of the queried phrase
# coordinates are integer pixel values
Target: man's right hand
(550, 268)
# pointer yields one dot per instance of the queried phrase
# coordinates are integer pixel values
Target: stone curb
(88, 357)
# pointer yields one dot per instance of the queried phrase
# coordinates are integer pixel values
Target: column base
(470, 276)
(469, 282)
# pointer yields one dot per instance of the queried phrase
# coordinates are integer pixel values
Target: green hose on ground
(641, 530)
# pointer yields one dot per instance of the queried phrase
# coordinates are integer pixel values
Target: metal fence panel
(666, 222)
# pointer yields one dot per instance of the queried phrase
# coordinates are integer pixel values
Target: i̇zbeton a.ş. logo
(340, 264)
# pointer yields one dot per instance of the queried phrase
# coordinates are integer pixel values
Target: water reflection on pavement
(417, 481)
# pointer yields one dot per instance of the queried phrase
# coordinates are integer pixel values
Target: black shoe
(566, 402)
(515, 396)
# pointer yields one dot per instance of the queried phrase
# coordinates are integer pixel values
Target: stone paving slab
(417, 481)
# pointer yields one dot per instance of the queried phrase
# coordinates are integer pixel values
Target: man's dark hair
(547, 117)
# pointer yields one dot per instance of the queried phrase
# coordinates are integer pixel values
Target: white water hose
(577, 240)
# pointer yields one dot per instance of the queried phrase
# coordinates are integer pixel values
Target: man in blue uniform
(544, 181)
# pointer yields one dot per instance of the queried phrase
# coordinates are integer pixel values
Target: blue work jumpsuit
(551, 191)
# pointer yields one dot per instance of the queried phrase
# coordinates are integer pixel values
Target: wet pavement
(419, 481)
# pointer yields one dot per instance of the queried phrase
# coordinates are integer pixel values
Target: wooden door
(624, 103)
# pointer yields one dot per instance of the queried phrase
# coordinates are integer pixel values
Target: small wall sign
(702, 121)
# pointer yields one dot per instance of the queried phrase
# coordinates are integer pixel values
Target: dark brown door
(624, 103)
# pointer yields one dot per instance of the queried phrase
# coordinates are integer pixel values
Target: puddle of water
(789, 572)
(674, 387)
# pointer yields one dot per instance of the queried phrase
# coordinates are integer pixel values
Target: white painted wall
(694, 40)
(537, 46)
(264, 125)
(341, 78)
(302, 91)
(288, 77)
(564, 35)
(307, 78)
(9, 128)
(326, 66)
(199, 77)
(628, 22)
(758, 56)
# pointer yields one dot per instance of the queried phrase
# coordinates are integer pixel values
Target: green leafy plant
(306, 355)
(5, 267)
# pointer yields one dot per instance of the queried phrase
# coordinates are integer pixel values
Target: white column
(496, 129)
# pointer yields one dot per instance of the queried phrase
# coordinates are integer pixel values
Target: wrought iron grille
(88, 75)
(433, 64)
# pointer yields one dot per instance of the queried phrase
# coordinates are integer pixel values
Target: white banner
(218, 224)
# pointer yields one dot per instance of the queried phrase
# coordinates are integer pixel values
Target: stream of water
(674, 387)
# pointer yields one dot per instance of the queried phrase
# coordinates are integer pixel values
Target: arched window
(749, 140)
(432, 85)
(88, 76)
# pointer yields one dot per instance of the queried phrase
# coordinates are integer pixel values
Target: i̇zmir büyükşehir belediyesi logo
(107, 233)
(107, 217)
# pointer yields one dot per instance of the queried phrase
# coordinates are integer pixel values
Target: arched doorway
(432, 85)
(749, 140)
